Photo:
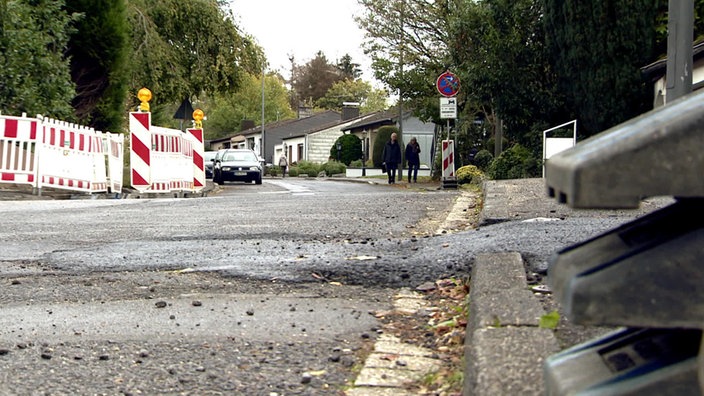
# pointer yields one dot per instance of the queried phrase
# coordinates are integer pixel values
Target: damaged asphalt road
(259, 290)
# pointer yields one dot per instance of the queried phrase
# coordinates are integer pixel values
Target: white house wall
(292, 147)
(319, 144)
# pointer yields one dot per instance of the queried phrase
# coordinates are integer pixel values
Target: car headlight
(256, 168)
(226, 168)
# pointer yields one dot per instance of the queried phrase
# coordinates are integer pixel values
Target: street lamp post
(339, 148)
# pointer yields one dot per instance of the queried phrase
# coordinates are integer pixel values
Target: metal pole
(680, 28)
(400, 91)
(261, 149)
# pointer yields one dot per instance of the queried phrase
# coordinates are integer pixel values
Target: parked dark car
(208, 158)
(237, 165)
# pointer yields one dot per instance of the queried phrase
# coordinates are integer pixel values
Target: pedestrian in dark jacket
(413, 159)
(392, 157)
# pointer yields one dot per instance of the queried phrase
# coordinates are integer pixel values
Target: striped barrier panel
(448, 159)
(114, 149)
(163, 159)
(196, 135)
(140, 150)
(168, 162)
(186, 164)
(18, 140)
(71, 157)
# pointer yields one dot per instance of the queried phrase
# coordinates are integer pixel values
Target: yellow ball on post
(198, 116)
(144, 96)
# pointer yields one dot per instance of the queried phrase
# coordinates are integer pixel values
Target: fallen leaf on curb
(336, 283)
(318, 276)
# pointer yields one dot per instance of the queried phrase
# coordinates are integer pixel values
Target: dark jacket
(392, 153)
(412, 154)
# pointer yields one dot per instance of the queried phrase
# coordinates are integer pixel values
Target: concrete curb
(504, 346)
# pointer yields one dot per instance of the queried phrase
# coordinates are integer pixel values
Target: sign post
(448, 108)
(448, 84)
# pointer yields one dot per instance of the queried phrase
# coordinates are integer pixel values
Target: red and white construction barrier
(163, 159)
(115, 152)
(448, 159)
(18, 139)
(72, 157)
(43, 152)
(140, 150)
(198, 161)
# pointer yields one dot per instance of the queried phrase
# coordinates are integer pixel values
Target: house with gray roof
(411, 126)
(656, 72)
(314, 144)
(307, 138)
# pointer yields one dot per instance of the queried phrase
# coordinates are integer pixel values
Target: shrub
(274, 170)
(351, 148)
(356, 164)
(491, 144)
(514, 163)
(483, 159)
(470, 174)
(309, 168)
(334, 167)
(383, 135)
(293, 171)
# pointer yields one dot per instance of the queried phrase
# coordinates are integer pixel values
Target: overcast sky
(302, 28)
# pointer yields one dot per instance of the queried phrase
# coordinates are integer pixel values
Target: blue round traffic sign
(448, 84)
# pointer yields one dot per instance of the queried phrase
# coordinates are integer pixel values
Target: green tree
(34, 73)
(312, 80)
(188, 49)
(349, 69)
(99, 51)
(359, 91)
(609, 43)
(499, 48)
(226, 111)
(407, 41)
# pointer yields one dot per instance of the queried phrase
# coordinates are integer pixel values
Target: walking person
(392, 157)
(413, 159)
(283, 164)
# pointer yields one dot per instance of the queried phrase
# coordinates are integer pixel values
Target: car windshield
(240, 156)
(209, 155)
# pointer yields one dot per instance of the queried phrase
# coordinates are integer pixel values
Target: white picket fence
(42, 152)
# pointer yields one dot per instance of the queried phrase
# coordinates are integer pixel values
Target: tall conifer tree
(597, 48)
(99, 51)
